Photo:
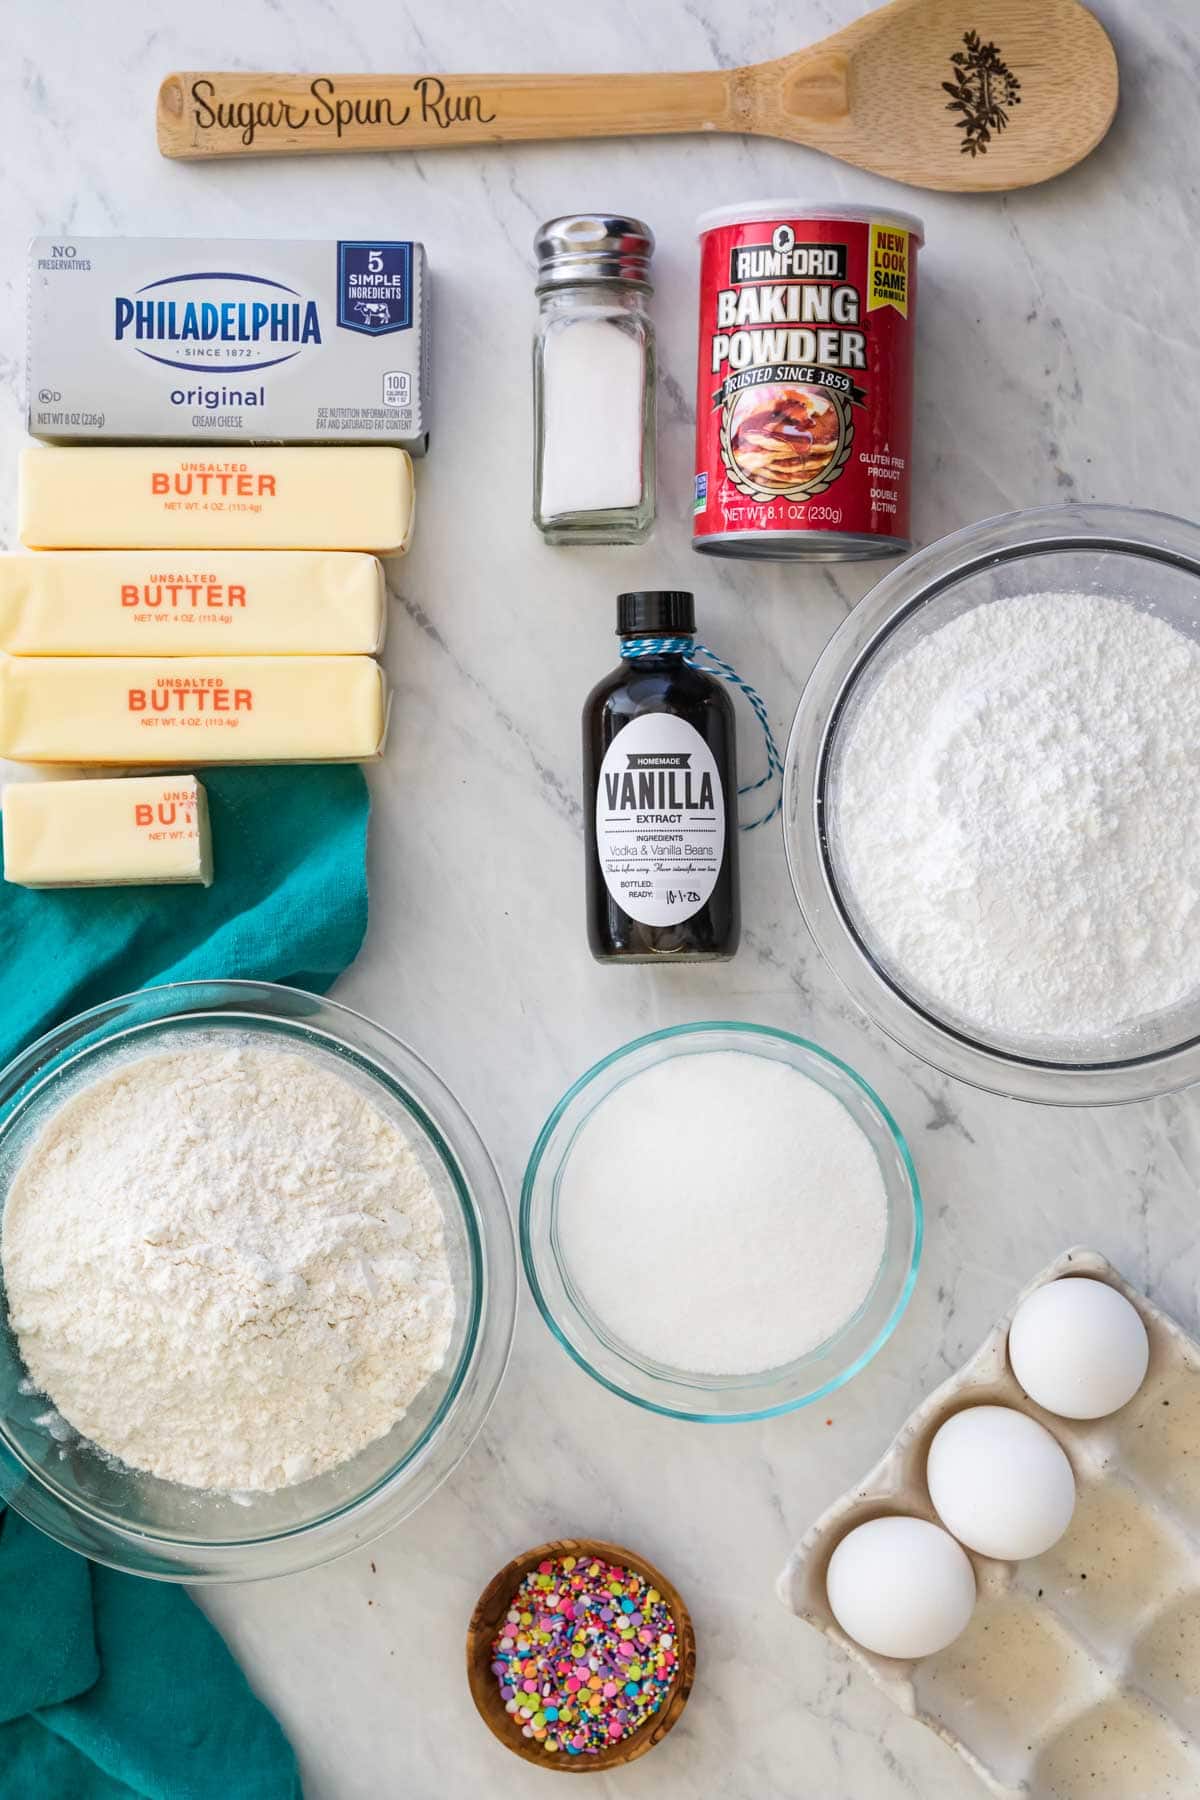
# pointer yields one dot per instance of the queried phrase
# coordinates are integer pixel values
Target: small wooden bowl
(489, 1612)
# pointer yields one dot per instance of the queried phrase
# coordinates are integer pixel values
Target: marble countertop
(1059, 359)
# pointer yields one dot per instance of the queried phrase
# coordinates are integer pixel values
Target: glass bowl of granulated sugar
(721, 1222)
(992, 804)
(258, 1282)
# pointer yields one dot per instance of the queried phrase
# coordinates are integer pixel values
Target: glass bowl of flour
(721, 1222)
(257, 1282)
(992, 804)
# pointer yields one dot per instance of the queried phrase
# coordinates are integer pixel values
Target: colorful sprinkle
(596, 1646)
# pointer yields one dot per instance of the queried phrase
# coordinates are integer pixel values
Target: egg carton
(1078, 1677)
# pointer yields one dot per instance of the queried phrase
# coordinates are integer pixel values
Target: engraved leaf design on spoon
(984, 90)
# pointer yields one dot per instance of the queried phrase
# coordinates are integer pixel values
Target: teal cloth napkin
(111, 1686)
(289, 903)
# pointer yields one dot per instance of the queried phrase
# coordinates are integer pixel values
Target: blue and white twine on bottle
(633, 648)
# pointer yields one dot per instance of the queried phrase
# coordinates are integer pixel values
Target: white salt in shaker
(593, 381)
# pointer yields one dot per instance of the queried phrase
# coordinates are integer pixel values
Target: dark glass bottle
(660, 798)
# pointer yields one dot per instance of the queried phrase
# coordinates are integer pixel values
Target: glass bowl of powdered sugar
(992, 804)
(721, 1222)
(258, 1282)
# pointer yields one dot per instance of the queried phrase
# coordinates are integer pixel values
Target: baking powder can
(805, 393)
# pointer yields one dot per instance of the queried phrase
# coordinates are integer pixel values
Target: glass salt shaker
(593, 381)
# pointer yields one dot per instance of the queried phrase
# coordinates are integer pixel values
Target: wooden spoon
(959, 94)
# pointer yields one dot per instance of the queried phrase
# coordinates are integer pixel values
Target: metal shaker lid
(593, 247)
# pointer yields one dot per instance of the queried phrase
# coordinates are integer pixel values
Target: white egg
(1078, 1348)
(900, 1587)
(1000, 1483)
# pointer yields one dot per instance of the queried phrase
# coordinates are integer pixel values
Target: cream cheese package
(179, 711)
(140, 831)
(229, 340)
(222, 602)
(266, 498)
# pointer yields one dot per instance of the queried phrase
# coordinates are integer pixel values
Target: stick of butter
(175, 498)
(150, 829)
(227, 603)
(129, 710)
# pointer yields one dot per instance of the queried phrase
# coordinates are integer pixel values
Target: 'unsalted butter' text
(206, 482)
(182, 596)
(191, 699)
(165, 812)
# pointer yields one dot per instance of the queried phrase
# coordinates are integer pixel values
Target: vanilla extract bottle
(660, 796)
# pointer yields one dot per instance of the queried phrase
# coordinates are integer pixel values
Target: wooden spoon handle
(203, 114)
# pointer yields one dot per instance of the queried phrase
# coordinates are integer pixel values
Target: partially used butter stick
(172, 497)
(146, 830)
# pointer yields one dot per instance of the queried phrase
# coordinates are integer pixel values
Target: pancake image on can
(785, 440)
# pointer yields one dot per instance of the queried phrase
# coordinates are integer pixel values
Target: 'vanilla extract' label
(660, 820)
